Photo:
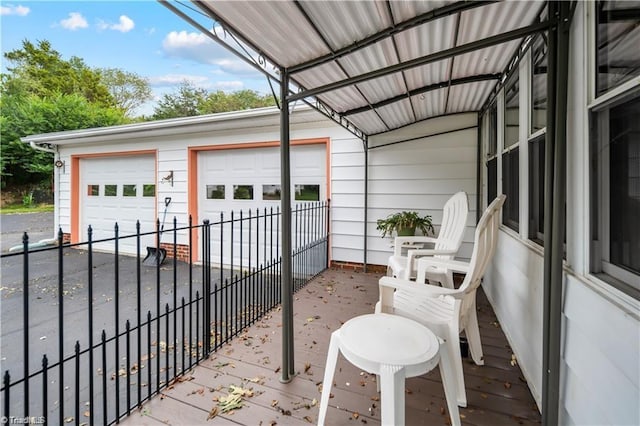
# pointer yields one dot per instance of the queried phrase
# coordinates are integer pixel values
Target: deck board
(496, 392)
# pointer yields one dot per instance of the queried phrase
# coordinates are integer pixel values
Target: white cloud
(14, 10)
(169, 80)
(200, 48)
(150, 31)
(124, 25)
(74, 21)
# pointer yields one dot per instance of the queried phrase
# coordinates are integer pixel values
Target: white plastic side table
(393, 347)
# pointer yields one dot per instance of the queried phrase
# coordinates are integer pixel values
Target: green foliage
(187, 102)
(43, 93)
(405, 220)
(190, 101)
(40, 70)
(23, 116)
(27, 199)
(128, 89)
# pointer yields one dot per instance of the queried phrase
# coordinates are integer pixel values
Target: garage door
(243, 179)
(118, 190)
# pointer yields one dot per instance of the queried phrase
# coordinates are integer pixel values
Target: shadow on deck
(497, 392)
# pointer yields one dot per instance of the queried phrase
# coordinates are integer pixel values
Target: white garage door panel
(103, 211)
(255, 167)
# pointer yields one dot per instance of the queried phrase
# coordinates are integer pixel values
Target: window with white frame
(615, 149)
(615, 192)
(618, 43)
(510, 155)
(536, 142)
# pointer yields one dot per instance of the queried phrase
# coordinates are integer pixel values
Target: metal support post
(365, 144)
(555, 201)
(286, 275)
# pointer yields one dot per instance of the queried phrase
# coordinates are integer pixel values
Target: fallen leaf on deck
(230, 402)
(237, 390)
(514, 361)
(355, 415)
(212, 413)
(308, 419)
(314, 402)
(274, 402)
(307, 367)
(87, 413)
(69, 419)
(507, 385)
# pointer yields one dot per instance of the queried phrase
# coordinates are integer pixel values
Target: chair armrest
(389, 284)
(450, 264)
(414, 255)
(407, 242)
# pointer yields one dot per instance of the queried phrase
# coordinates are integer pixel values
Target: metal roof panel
(277, 27)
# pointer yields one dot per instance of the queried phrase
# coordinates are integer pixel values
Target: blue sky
(141, 36)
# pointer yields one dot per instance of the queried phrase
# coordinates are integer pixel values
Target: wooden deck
(497, 393)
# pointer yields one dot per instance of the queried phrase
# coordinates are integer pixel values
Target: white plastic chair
(445, 246)
(428, 304)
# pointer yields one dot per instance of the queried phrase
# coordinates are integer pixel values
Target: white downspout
(56, 202)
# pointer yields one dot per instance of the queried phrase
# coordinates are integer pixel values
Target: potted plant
(405, 223)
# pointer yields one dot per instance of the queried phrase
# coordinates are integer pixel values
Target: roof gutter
(43, 147)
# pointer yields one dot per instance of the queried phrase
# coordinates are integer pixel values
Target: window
(93, 190)
(148, 190)
(243, 192)
(271, 192)
(129, 190)
(510, 157)
(536, 189)
(539, 83)
(215, 192)
(110, 190)
(615, 162)
(536, 145)
(492, 150)
(511, 110)
(511, 188)
(618, 38)
(307, 192)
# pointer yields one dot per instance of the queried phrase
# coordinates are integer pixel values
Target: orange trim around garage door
(75, 184)
(192, 167)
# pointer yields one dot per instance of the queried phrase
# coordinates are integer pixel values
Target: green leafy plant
(27, 199)
(405, 223)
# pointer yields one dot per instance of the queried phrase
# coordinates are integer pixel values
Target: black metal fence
(114, 332)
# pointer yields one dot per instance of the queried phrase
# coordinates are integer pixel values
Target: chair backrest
(484, 246)
(454, 220)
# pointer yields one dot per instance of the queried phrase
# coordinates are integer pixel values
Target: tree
(190, 101)
(128, 89)
(187, 102)
(220, 101)
(27, 115)
(40, 70)
(42, 93)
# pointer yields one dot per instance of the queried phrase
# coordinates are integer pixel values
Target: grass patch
(21, 208)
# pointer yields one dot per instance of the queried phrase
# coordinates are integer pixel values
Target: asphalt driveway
(38, 225)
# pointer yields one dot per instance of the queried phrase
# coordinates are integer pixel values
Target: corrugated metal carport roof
(375, 66)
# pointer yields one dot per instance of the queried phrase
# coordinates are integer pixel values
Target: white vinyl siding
(422, 175)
